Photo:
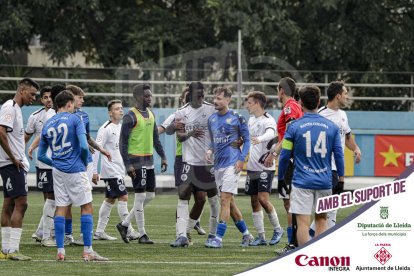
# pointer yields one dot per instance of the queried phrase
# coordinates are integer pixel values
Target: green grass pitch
(157, 259)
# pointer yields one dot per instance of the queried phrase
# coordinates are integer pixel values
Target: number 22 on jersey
(61, 129)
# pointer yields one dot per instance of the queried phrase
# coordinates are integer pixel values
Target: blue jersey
(313, 139)
(85, 119)
(224, 130)
(61, 133)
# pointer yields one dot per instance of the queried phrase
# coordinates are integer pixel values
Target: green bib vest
(140, 140)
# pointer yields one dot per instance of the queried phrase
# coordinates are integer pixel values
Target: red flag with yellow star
(393, 154)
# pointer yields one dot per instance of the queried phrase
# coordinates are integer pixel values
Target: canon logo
(303, 260)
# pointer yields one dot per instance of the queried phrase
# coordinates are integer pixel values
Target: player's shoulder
(268, 117)
(183, 107)
(106, 125)
(237, 115)
(207, 104)
(9, 104)
(37, 112)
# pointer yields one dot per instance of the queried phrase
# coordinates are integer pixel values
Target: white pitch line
(152, 262)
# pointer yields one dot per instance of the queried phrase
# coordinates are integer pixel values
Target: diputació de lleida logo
(384, 212)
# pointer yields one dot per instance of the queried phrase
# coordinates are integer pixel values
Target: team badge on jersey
(8, 118)
(228, 120)
(287, 110)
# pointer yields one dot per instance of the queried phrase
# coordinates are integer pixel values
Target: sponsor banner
(375, 240)
(393, 154)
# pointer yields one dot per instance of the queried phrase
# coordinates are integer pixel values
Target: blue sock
(86, 229)
(60, 231)
(241, 225)
(311, 232)
(221, 230)
(289, 231)
(68, 226)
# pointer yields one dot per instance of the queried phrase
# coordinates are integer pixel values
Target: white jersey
(258, 126)
(168, 121)
(35, 126)
(341, 120)
(194, 150)
(108, 138)
(12, 119)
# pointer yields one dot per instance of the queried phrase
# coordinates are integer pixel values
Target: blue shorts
(44, 180)
(14, 181)
(259, 182)
(115, 187)
(144, 180)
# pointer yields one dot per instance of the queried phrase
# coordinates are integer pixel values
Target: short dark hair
(195, 86)
(289, 85)
(112, 102)
(335, 88)
(56, 89)
(76, 90)
(45, 90)
(139, 89)
(221, 89)
(29, 82)
(63, 98)
(310, 95)
(258, 96)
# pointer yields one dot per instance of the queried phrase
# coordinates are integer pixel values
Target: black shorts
(200, 177)
(334, 180)
(115, 187)
(178, 165)
(14, 181)
(144, 180)
(44, 180)
(259, 182)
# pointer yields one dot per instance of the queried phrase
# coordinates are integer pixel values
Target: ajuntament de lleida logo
(384, 212)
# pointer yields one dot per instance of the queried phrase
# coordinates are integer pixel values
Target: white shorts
(89, 171)
(303, 201)
(227, 180)
(71, 188)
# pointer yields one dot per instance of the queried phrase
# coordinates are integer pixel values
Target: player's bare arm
(352, 145)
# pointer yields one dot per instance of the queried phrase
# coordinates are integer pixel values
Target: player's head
(184, 97)
(338, 92)
(78, 93)
(26, 91)
(256, 101)
(115, 110)
(310, 97)
(222, 98)
(45, 96)
(65, 100)
(142, 95)
(196, 94)
(286, 89)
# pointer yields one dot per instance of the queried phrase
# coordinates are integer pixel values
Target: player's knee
(110, 200)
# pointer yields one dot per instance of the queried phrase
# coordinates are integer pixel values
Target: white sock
(88, 249)
(127, 220)
(5, 239)
(214, 213)
(182, 217)
(139, 212)
(274, 220)
(40, 226)
(122, 209)
(258, 222)
(15, 235)
(150, 196)
(48, 216)
(190, 224)
(331, 218)
(104, 214)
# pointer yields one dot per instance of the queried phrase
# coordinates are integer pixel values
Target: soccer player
(112, 172)
(13, 169)
(225, 127)
(139, 137)
(312, 140)
(44, 178)
(169, 126)
(196, 174)
(337, 99)
(262, 129)
(65, 134)
(291, 111)
(79, 95)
